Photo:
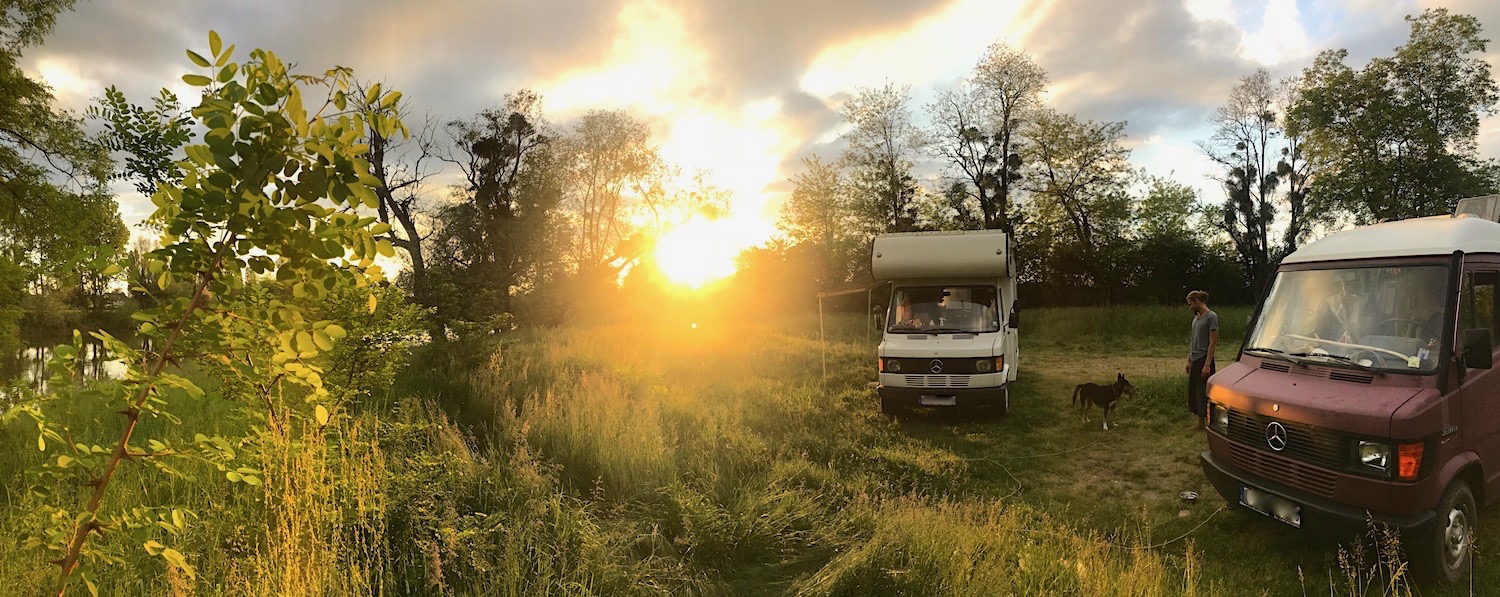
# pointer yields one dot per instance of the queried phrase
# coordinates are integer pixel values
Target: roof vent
(1487, 207)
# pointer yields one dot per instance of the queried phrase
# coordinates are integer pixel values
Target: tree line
(543, 213)
(1332, 146)
(540, 213)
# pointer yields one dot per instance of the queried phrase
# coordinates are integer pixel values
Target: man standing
(1201, 364)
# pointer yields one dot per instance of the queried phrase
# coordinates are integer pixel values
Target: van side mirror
(1478, 349)
(1013, 321)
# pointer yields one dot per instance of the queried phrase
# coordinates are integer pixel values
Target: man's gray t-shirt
(1202, 325)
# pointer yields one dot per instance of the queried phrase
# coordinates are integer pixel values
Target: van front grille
(1284, 470)
(1313, 445)
(937, 381)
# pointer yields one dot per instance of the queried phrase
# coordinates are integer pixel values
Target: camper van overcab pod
(950, 334)
(1364, 387)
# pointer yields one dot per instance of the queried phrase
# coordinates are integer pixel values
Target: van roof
(950, 254)
(1000, 233)
(1437, 235)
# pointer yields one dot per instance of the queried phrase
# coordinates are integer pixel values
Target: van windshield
(944, 310)
(1388, 318)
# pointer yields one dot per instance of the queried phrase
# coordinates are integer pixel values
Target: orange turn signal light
(1409, 460)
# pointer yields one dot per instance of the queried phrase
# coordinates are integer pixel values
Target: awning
(845, 290)
(848, 289)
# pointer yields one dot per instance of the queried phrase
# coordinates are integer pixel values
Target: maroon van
(1363, 388)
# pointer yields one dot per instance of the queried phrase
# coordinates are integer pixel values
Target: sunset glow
(655, 70)
(698, 252)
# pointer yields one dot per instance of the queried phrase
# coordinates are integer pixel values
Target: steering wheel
(1411, 324)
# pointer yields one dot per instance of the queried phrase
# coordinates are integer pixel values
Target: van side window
(1477, 306)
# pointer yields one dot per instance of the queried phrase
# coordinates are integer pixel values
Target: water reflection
(28, 368)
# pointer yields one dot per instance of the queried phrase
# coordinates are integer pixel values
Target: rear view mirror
(1014, 320)
(1478, 349)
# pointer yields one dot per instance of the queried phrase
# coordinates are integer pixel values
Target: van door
(1479, 414)
(1012, 334)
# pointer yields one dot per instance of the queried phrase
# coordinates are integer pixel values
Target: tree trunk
(1002, 200)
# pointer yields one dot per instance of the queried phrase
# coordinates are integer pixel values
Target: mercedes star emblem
(937, 366)
(1276, 436)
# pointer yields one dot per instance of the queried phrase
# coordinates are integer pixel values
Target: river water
(28, 368)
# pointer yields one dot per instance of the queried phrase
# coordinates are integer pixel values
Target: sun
(698, 252)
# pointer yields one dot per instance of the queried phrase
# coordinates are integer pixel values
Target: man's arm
(1213, 344)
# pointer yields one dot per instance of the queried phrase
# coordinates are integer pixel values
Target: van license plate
(1271, 505)
(926, 400)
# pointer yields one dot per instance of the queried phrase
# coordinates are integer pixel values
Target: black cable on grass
(1179, 537)
(1019, 485)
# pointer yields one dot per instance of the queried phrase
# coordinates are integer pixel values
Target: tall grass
(622, 459)
(722, 453)
(923, 548)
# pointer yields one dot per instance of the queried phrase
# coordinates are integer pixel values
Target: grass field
(717, 460)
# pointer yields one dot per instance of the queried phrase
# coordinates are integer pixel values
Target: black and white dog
(1105, 396)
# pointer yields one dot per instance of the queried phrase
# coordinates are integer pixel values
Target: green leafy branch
(271, 192)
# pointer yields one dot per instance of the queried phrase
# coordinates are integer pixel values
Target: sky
(744, 90)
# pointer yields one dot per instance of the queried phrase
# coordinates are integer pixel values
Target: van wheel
(1004, 406)
(1448, 553)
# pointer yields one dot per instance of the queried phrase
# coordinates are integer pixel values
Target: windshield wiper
(1342, 359)
(1276, 353)
(928, 331)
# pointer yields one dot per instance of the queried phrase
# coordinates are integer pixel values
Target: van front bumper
(1320, 516)
(962, 397)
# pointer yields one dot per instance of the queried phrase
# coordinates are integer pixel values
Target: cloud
(803, 112)
(757, 49)
(452, 57)
(1280, 37)
(750, 85)
(1151, 62)
(940, 47)
(1165, 66)
(1489, 137)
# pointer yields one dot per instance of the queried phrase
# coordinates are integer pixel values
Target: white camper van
(950, 334)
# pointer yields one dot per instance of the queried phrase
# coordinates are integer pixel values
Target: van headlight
(1375, 455)
(1220, 418)
(984, 365)
(893, 365)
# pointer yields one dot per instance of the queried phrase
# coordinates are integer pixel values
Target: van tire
(1449, 551)
(889, 407)
(1003, 409)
